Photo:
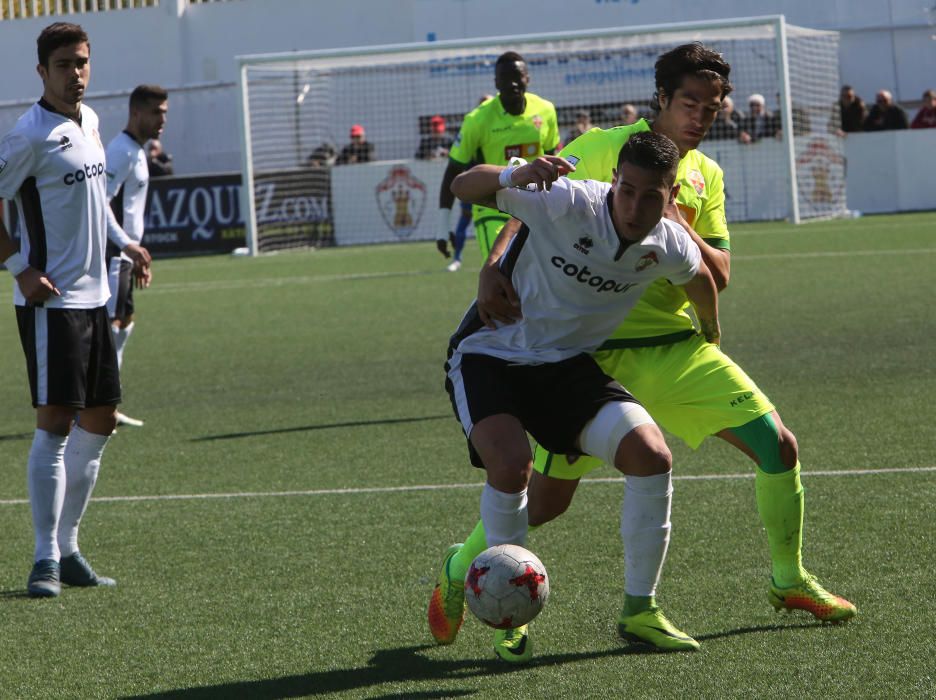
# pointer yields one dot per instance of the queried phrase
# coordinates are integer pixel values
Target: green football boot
(447, 604)
(651, 628)
(810, 596)
(514, 645)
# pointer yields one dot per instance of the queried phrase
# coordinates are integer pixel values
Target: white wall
(884, 43)
(891, 171)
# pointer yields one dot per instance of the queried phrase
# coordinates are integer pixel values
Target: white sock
(645, 530)
(46, 476)
(504, 516)
(82, 461)
(120, 340)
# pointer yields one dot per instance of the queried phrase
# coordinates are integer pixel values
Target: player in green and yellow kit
(690, 387)
(515, 123)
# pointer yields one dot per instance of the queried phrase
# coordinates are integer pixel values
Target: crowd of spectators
(850, 114)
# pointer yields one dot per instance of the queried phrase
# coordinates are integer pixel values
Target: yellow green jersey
(489, 134)
(661, 314)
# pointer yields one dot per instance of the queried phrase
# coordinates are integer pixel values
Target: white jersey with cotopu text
(52, 167)
(575, 279)
(127, 183)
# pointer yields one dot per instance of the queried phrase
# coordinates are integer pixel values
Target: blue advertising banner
(191, 215)
(194, 214)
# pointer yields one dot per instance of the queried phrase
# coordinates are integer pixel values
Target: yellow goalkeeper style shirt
(489, 134)
(661, 312)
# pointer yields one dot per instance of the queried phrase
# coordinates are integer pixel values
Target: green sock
(634, 604)
(474, 545)
(780, 504)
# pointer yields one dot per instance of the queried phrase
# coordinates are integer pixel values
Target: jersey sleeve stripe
(34, 224)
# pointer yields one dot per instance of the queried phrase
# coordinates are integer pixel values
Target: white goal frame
(774, 27)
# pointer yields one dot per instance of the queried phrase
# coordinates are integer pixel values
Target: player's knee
(646, 457)
(618, 432)
(509, 475)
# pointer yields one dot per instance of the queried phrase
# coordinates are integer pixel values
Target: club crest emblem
(646, 261)
(401, 199)
(697, 181)
(537, 121)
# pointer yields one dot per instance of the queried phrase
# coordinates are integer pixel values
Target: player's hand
(142, 277)
(497, 298)
(542, 172)
(711, 329)
(442, 245)
(138, 254)
(35, 286)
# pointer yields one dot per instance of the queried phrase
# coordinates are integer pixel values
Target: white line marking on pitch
(448, 487)
(261, 282)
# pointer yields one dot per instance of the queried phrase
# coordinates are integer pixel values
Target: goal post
(297, 110)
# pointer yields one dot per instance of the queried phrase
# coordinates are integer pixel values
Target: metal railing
(23, 9)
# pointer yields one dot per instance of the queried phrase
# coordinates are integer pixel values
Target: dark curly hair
(689, 60)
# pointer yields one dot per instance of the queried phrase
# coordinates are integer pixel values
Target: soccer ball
(506, 586)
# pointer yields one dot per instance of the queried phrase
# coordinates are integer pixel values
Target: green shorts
(690, 388)
(486, 230)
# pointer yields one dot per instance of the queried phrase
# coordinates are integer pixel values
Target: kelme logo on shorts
(93, 170)
(585, 276)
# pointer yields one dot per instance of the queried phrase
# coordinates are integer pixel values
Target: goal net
(298, 109)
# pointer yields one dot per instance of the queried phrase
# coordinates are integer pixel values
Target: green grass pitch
(274, 533)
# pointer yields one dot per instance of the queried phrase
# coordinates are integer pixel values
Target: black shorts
(70, 356)
(120, 280)
(553, 401)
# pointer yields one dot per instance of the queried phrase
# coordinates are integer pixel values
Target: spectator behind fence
(436, 145)
(851, 112)
(360, 150)
(725, 126)
(158, 162)
(582, 124)
(758, 123)
(926, 117)
(629, 115)
(885, 115)
(324, 155)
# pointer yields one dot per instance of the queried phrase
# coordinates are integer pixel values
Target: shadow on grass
(18, 593)
(16, 436)
(402, 665)
(323, 426)
(778, 627)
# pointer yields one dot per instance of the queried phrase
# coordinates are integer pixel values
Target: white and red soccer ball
(506, 586)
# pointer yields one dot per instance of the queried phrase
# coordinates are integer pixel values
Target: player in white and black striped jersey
(127, 184)
(52, 167)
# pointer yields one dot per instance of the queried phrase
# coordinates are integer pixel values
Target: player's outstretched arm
(703, 294)
(480, 184)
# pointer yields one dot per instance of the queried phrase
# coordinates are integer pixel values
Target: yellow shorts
(486, 230)
(690, 388)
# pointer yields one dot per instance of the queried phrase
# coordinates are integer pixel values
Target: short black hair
(689, 60)
(508, 57)
(142, 94)
(649, 150)
(57, 35)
